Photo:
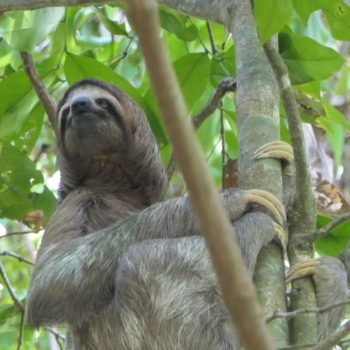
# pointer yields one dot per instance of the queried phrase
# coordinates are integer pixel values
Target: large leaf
(270, 24)
(338, 18)
(17, 101)
(23, 30)
(337, 13)
(308, 60)
(80, 67)
(192, 73)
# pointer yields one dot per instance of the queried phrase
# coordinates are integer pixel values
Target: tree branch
(226, 85)
(297, 347)
(14, 255)
(324, 231)
(257, 104)
(17, 233)
(294, 313)
(21, 329)
(237, 289)
(302, 217)
(41, 91)
(13, 296)
(211, 10)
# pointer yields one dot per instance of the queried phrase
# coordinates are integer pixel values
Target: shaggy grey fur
(123, 271)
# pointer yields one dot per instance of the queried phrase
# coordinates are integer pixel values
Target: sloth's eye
(64, 116)
(103, 103)
(65, 113)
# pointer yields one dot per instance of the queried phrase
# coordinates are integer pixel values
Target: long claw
(281, 235)
(270, 202)
(302, 269)
(276, 149)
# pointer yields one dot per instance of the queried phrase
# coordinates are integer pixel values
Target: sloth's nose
(81, 104)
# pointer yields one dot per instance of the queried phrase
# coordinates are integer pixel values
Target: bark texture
(258, 123)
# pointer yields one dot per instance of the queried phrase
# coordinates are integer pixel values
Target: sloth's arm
(75, 277)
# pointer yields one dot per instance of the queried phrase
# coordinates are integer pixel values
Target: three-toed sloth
(122, 269)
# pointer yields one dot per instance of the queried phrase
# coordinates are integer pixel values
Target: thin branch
(302, 216)
(43, 95)
(16, 256)
(226, 85)
(237, 289)
(334, 338)
(16, 301)
(21, 329)
(16, 233)
(296, 347)
(304, 194)
(57, 335)
(294, 313)
(325, 230)
(211, 39)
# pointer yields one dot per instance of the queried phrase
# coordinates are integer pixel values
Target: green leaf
(336, 241)
(17, 102)
(222, 66)
(113, 27)
(192, 72)
(178, 24)
(335, 125)
(335, 116)
(27, 136)
(86, 28)
(338, 18)
(305, 8)
(24, 30)
(9, 317)
(80, 67)
(267, 23)
(308, 60)
(337, 13)
(17, 176)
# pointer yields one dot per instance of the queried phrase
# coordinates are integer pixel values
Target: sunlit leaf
(308, 60)
(305, 8)
(23, 30)
(267, 23)
(336, 241)
(193, 75)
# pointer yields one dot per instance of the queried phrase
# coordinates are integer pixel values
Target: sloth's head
(95, 119)
(102, 130)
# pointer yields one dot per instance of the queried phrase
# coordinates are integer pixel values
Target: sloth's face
(91, 123)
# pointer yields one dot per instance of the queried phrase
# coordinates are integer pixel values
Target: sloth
(122, 268)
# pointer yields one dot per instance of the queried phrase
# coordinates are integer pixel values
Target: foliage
(74, 43)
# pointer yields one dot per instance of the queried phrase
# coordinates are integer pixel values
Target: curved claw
(302, 269)
(275, 149)
(270, 202)
(281, 235)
